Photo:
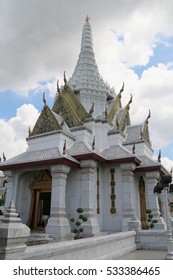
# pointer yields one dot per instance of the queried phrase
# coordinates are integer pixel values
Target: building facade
(84, 152)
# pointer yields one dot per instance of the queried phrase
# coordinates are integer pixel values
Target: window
(98, 190)
(112, 191)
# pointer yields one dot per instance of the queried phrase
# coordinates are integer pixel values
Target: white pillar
(128, 187)
(88, 183)
(152, 200)
(58, 225)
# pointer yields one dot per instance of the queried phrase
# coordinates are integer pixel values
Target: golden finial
(159, 156)
(65, 80)
(149, 116)
(4, 157)
(92, 109)
(57, 86)
(44, 99)
(133, 148)
(131, 98)
(130, 101)
(121, 90)
(93, 143)
(64, 148)
(87, 19)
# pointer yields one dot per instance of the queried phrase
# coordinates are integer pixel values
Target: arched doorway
(142, 203)
(40, 200)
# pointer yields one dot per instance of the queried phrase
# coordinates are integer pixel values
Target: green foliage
(81, 218)
(150, 220)
(79, 210)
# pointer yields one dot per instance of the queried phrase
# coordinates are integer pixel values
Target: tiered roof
(86, 74)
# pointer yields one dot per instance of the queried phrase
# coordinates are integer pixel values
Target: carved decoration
(69, 107)
(46, 122)
(115, 106)
(145, 132)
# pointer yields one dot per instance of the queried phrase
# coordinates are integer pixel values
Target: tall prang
(86, 80)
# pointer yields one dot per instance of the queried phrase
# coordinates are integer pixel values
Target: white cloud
(14, 131)
(167, 163)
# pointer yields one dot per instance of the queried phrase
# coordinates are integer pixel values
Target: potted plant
(78, 222)
(150, 219)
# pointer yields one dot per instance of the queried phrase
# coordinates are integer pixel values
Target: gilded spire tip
(87, 19)
(44, 99)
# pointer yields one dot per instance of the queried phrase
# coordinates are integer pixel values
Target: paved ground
(145, 255)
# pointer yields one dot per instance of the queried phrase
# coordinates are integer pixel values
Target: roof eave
(63, 160)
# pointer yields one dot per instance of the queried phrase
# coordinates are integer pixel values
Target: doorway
(40, 201)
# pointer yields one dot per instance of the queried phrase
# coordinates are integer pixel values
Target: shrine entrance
(40, 201)
(143, 203)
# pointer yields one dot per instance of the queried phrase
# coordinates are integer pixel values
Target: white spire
(87, 42)
(86, 77)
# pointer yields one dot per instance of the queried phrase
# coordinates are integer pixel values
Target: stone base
(91, 227)
(59, 229)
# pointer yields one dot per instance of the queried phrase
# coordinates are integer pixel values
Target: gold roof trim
(125, 117)
(69, 107)
(46, 122)
(115, 106)
(145, 131)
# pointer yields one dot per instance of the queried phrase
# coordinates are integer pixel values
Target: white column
(58, 225)
(88, 183)
(152, 200)
(128, 210)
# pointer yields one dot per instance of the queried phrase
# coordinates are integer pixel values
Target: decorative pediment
(42, 181)
(69, 107)
(45, 123)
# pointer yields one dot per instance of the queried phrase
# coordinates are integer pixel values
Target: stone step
(37, 238)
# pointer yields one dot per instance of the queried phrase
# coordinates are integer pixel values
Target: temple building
(85, 152)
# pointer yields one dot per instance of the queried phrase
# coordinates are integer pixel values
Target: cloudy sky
(133, 42)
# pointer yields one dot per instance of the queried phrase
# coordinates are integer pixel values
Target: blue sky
(38, 41)
(162, 53)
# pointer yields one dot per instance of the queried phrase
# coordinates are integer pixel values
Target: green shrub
(81, 218)
(150, 220)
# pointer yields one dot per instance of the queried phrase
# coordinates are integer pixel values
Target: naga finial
(87, 19)
(93, 143)
(130, 101)
(133, 148)
(44, 99)
(149, 116)
(4, 157)
(92, 109)
(58, 88)
(64, 147)
(121, 90)
(65, 80)
(159, 156)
